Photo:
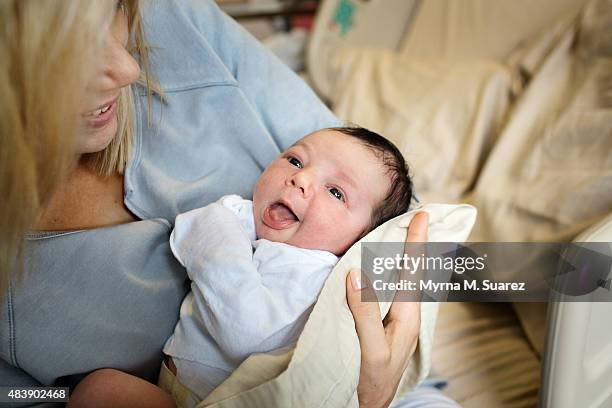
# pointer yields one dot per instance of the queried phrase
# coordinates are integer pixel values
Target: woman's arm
(113, 388)
(285, 104)
(386, 346)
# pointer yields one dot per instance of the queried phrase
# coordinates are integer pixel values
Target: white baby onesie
(247, 295)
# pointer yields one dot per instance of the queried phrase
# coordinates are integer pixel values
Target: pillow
(323, 367)
(443, 115)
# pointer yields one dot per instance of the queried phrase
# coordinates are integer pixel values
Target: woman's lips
(279, 216)
(102, 116)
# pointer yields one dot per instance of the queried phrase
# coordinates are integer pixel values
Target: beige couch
(504, 105)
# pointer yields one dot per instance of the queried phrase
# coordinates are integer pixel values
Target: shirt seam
(139, 212)
(35, 236)
(194, 85)
(133, 164)
(11, 322)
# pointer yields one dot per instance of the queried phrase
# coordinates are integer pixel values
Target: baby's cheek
(325, 233)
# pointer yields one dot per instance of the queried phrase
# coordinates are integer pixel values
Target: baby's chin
(286, 236)
(264, 232)
(290, 237)
(294, 240)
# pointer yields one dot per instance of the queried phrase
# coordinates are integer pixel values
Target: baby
(257, 267)
(257, 275)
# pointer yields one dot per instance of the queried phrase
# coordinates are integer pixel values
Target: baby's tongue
(280, 212)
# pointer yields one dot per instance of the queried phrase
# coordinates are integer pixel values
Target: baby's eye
(336, 193)
(295, 162)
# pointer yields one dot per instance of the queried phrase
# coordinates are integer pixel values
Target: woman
(100, 287)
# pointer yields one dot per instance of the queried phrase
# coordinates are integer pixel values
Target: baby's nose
(301, 181)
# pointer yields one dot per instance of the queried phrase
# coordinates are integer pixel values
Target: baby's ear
(369, 228)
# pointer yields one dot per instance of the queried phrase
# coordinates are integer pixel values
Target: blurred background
(506, 105)
(283, 26)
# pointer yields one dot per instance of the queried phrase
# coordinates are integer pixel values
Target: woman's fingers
(402, 325)
(386, 347)
(402, 310)
(403, 320)
(374, 375)
(417, 231)
(366, 313)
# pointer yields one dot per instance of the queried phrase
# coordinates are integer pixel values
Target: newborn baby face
(320, 193)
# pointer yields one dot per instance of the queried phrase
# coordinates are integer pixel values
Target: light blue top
(110, 297)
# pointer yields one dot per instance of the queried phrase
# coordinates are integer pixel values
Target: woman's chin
(96, 140)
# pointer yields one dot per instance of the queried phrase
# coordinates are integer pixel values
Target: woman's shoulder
(192, 43)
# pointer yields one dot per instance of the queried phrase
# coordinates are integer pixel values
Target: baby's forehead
(336, 145)
(322, 138)
(361, 163)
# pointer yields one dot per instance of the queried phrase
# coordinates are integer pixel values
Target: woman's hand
(386, 347)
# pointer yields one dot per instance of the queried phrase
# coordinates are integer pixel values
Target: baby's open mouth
(279, 216)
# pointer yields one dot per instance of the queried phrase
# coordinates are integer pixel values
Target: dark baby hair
(399, 196)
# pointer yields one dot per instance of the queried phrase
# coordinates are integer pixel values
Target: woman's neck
(85, 200)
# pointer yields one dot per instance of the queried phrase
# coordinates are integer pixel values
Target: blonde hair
(47, 54)
(114, 157)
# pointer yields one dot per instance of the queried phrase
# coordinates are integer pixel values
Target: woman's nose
(302, 181)
(120, 68)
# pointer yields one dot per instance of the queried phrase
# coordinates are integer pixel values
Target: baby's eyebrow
(349, 180)
(301, 143)
(341, 174)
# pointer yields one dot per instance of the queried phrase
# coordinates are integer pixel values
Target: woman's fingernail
(356, 281)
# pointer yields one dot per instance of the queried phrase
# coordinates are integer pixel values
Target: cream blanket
(526, 138)
(323, 368)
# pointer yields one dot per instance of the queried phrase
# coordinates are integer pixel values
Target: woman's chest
(86, 200)
(103, 297)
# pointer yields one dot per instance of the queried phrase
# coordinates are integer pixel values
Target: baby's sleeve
(204, 232)
(248, 301)
(267, 305)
